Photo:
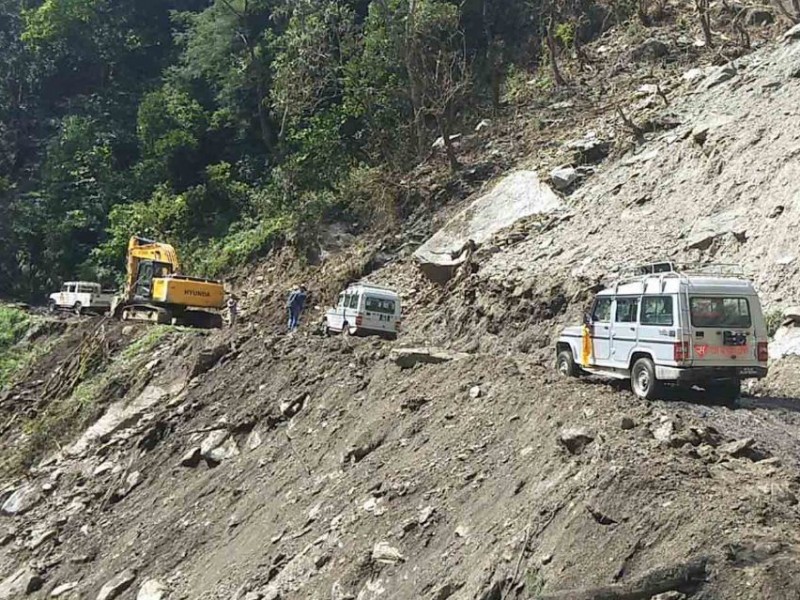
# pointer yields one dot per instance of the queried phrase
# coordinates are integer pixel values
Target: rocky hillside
(158, 463)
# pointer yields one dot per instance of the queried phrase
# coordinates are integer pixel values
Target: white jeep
(690, 326)
(364, 308)
(81, 297)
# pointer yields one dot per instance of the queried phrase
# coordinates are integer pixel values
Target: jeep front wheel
(643, 379)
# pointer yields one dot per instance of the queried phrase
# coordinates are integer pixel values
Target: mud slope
(330, 472)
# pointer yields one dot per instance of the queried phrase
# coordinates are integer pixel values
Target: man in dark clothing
(295, 304)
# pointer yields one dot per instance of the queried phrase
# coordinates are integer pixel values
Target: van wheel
(346, 329)
(78, 308)
(565, 363)
(643, 380)
(726, 392)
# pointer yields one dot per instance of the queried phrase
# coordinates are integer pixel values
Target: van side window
(602, 310)
(657, 310)
(342, 299)
(627, 310)
(353, 301)
(380, 305)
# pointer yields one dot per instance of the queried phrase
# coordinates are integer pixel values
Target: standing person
(296, 302)
(233, 310)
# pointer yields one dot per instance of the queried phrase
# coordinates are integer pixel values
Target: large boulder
(707, 229)
(517, 196)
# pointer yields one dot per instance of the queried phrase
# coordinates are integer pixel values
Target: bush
(13, 325)
(238, 247)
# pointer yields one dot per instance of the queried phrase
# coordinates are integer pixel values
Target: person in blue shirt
(295, 304)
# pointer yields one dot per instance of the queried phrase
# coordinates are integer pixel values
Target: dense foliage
(221, 124)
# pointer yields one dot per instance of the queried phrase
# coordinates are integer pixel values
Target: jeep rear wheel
(725, 392)
(643, 379)
(51, 306)
(78, 308)
(565, 364)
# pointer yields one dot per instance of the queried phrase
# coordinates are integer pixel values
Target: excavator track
(161, 315)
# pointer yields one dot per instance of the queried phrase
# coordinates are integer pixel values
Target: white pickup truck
(81, 297)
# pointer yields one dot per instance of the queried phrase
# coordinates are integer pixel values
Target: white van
(692, 326)
(364, 308)
(80, 297)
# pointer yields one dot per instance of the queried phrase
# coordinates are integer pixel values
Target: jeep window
(380, 305)
(602, 310)
(720, 312)
(627, 310)
(657, 310)
(65, 288)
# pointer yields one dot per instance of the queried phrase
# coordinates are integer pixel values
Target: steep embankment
(245, 463)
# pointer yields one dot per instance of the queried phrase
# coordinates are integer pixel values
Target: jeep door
(601, 328)
(625, 330)
(658, 331)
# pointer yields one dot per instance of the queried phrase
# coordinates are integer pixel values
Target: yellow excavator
(157, 292)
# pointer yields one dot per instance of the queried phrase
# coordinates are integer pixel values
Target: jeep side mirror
(587, 318)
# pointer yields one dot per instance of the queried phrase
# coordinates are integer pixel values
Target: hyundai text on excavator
(155, 290)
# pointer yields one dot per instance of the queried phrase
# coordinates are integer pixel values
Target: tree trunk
(410, 52)
(705, 21)
(444, 127)
(492, 58)
(553, 48)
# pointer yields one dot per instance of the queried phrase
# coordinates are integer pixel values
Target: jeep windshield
(720, 312)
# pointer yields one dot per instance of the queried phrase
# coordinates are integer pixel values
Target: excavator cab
(147, 271)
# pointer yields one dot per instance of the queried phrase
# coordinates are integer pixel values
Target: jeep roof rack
(374, 286)
(670, 268)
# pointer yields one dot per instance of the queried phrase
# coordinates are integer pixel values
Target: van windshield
(720, 312)
(380, 305)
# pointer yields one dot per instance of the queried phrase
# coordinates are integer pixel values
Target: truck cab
(365, 309)
(699, 326)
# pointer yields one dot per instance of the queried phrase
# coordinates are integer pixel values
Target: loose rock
(563, 177)
(720, 75)
(575, 440)
(117, 585)
(406, 358)
(738, 448)
(21, 583)
(63, 589)
(192, 457)
(21, 501)
(792, 34)
(152, 590)
(386, 554)
(650, 49)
